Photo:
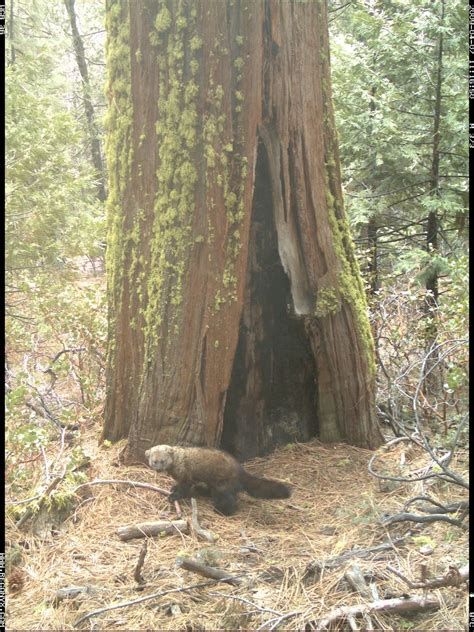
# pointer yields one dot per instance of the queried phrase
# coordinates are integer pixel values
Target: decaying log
(147, 529)
(194, 566)
(399, 605)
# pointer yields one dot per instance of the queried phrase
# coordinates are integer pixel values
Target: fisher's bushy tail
(259, 487)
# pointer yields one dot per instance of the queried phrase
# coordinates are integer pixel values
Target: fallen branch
(125, 604)
(434, 517)
(461, 505)
(194, 566)
(150, 529)
(198, 530)
(453, 577)
(404, 605)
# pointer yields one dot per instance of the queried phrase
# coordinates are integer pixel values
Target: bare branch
(452, 577)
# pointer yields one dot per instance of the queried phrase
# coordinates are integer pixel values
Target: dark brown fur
(198, 469)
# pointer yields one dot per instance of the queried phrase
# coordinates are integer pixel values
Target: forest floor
(287, 553)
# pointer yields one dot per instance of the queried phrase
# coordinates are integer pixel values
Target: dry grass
(336, 505)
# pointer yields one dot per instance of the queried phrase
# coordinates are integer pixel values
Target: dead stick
(141, 559)
(410, 604)
(125, 604)
(147, 529)
(194, 566)
(199, 531)
(177, 508)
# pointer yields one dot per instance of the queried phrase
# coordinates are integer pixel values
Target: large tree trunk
(237, 313)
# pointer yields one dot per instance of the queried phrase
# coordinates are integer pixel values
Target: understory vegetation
(398, 74)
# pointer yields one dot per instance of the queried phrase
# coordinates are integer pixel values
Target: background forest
(398, 76)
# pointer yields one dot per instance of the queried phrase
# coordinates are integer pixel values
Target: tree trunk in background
(237, 312)
(433, 381)
(87, 99)
(11, 35)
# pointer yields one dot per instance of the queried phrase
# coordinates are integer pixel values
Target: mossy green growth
(163, 20)
(350, 284)
(183, 137)
(328, 301)
(118, 148)
(227, 169)
(178, 138)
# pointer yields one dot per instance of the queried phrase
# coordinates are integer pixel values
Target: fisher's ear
(147, 453)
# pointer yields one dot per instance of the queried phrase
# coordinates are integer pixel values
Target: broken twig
(194, 566)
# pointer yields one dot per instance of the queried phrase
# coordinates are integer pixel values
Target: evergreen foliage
(384, 65)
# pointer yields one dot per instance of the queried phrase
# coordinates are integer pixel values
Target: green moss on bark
(350, 286)
(183, 137)
(118, 123)
(328, 302)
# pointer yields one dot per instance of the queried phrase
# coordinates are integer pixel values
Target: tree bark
(12, 36)
(87, 100)
(237, 312)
